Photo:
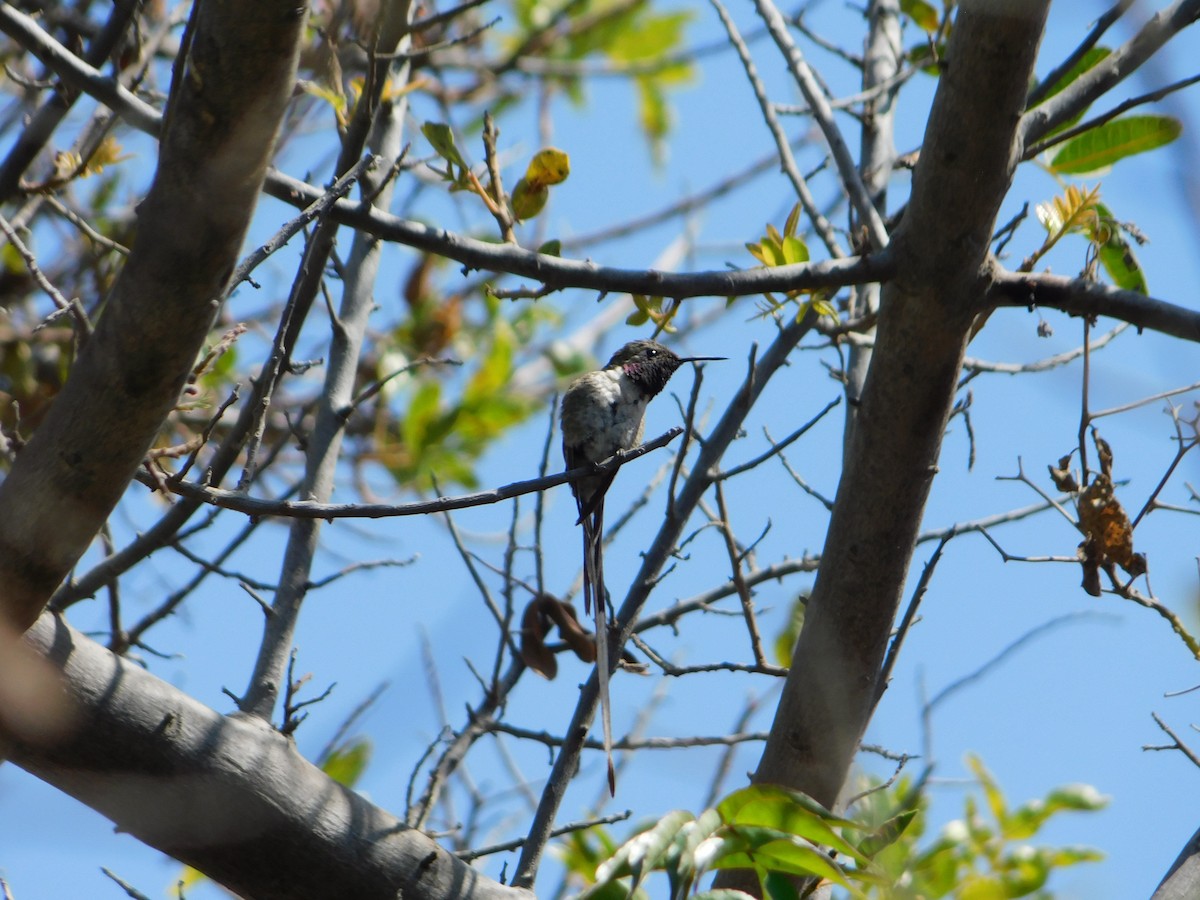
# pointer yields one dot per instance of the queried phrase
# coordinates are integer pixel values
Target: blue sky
(1073, 705)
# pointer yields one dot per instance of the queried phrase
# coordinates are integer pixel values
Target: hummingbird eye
(652, 352)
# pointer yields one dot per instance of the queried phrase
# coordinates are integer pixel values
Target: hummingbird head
(650, 365)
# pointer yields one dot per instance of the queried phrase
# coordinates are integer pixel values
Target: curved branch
(1081, 297)
(228, 795)
(77, 73)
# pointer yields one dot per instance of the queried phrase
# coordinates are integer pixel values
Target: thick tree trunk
(966, 164)
(1182, 881)
(217, 140)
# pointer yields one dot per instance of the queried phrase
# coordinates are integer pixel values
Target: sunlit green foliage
(880, 852)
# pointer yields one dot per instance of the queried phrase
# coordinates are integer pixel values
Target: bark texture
(226, 794)
(966, 164)
(224, 113)
(1182, 881)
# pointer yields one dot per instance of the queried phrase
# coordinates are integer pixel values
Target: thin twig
(739, 582)
(516, 843)
(301, 509)
(1096, 121)
(820, 224)
(1177, 745)
(851, 178)
(910, 614)
(780, 446)
(72, 306)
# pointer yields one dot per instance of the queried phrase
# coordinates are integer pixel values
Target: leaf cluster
(783, 836)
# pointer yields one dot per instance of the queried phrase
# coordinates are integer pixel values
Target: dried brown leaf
(1107, 525)
(534, 651)
(1062, 477)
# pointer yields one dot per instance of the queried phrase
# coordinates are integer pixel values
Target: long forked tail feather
(595, 591)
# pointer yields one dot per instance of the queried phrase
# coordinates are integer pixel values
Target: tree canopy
(288, 298)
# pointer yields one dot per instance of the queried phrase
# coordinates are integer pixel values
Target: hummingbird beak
(702, 358)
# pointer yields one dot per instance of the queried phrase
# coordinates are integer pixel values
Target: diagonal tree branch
(378, 124)
(224, 116)
(818, 103)
(54, 109)
(77, 73)
(1074, 99)
(226, 794)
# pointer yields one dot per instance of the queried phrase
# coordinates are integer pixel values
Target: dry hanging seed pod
(1108, 530)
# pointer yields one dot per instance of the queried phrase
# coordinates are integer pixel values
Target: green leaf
(654, 113)
(581, 852)
(1070, 856)
(991, 790)
(887, 833)
(346, 764)
(1024, 873)
(782, 854)
(981, 887)
(643, 853)
(423, 410)
(1117, 256)
(757, 251)
(922, 57)
(551, 247)
(922, 13)
(785, 642)
(789, 812)
(794, 251)
(529, 199)
(1113, 141)
(441, 138)
(1078, 797)
(653, 37)
(793, 222)
(685, 865)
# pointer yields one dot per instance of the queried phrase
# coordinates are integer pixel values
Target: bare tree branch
(212, 162)
(1074, 99)
(226, 794)
(307, 509)
(1082, 297)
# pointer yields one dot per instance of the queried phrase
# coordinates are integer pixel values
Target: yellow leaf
(549, 166)
(793, 221)
(107, 154)
(528, 199)
(757, 252)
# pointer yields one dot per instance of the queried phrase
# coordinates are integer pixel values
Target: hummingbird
(603, 414)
